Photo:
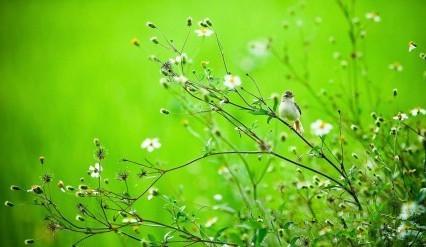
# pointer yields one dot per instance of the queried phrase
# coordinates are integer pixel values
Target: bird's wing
(298, 108)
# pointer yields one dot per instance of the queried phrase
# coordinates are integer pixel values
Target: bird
(290, 111)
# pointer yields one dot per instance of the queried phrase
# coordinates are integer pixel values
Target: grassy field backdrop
(68, 73)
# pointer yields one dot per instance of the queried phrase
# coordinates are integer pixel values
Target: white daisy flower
(400, 116)
(95, 170)
(259, 48)
(151, 144)
(232, 81)
(320, 128)
(418, 111)
(204, 32)
(210, 222)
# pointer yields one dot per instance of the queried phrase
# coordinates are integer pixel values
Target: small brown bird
(289, 110)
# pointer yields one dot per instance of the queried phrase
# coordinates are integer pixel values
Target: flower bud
(41, 158)
(79, 218)
(15, 187)
(61, 185)
(83, 187)
(150, 25)
(29, 241)
(135, 42)
(189, 21)
(154, 40)
(96, 142)
(9, 204)
(36, 189)
(164, 111)
(69, 188)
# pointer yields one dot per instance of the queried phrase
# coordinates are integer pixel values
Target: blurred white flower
(218, 197)
(400, 116)
(152, 192)
(410, 209)
(418, 111)
(150, 144)
(320, 128)
(95, 170)
(210, 222)
(396, 66)
(181, 79)
(373, 16)
(130, 219)
(232, 81)
(204, 32)
(411, 46)
(259, 48)
(223, 170)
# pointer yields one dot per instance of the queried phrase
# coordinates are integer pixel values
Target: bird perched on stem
(289, 110)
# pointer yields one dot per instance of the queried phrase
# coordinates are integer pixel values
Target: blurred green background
(68, 73)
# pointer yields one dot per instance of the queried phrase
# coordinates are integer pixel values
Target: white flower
(404, 231)
(153, 192)
(130, 219)
(95, 170)
(204, 32)
(410, 209)
(181, 79)
(411, 46)
(223, 170)
(182, 58)
(396, 66)
(210, 222)
(416, 111)
(400, 116)
(218, 197)
(373, 16)
(320, 128)
(259, 48)
(150, 144)
(232, 81)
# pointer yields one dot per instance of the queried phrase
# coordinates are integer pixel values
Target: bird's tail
(298, 126)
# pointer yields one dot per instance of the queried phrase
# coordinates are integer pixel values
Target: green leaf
(259, 112)
(260, 236)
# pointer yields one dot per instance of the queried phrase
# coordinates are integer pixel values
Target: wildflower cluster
(354, 179)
